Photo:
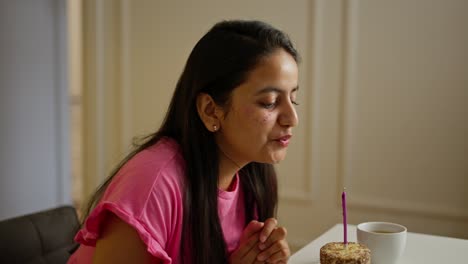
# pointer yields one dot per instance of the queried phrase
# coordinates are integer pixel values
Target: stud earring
(215, 128)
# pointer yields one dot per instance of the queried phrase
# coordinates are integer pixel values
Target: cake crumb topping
(339, 253)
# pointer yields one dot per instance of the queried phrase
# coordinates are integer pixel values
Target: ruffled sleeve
(147, 196)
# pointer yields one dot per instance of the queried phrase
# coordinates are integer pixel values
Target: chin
(271, 156)
(276, 158)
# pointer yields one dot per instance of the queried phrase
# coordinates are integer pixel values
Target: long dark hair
(219, 62)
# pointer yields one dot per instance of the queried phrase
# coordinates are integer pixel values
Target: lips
(284, 140)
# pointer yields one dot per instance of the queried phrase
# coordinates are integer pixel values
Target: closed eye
(268, 105)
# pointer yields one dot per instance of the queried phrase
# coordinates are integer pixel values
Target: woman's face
(258, 125)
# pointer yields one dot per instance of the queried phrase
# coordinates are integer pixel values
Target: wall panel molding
(408, 207)
(106, 88)
(126, 123)
(311, 187)
(348, 99)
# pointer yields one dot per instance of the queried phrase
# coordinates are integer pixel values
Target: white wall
(388, 118)
(34, 159)
(382, 101)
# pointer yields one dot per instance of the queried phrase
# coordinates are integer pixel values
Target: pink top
(147, 194)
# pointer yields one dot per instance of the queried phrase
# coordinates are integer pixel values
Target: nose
(288, 116)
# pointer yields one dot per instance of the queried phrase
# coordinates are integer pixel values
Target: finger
(272, 250)
(251, 255)
(278, 251)
(279, 233)
(248, 245)
(269, 226)
(280, 256)
(252, 228)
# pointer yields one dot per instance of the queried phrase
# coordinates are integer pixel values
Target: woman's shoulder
(159, 166)
(149, 183)
(165, 155)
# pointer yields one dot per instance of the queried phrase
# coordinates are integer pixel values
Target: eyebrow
(271, 89)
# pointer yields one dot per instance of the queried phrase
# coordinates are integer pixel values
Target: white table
(419, 249)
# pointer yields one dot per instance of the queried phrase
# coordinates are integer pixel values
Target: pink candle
(345, 224)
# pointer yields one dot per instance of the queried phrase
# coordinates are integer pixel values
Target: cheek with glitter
(249, 112)
(253, 113)
(266, 118)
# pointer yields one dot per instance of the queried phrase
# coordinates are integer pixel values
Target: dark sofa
(44, 237)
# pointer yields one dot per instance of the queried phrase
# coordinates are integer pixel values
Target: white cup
(386, 241)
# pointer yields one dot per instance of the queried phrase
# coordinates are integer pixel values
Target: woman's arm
(120, 243)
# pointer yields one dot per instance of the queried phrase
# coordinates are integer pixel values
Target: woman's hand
(262, 243)
(273, 245)
(248, 248)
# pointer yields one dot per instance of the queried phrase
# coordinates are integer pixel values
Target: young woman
(202, 189)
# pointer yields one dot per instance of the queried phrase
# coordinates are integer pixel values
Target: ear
(210, 113)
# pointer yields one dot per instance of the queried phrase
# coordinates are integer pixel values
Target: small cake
(338, 253)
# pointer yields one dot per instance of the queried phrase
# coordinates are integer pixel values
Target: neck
(228, 168)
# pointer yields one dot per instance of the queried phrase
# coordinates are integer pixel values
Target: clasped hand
(262, 242)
